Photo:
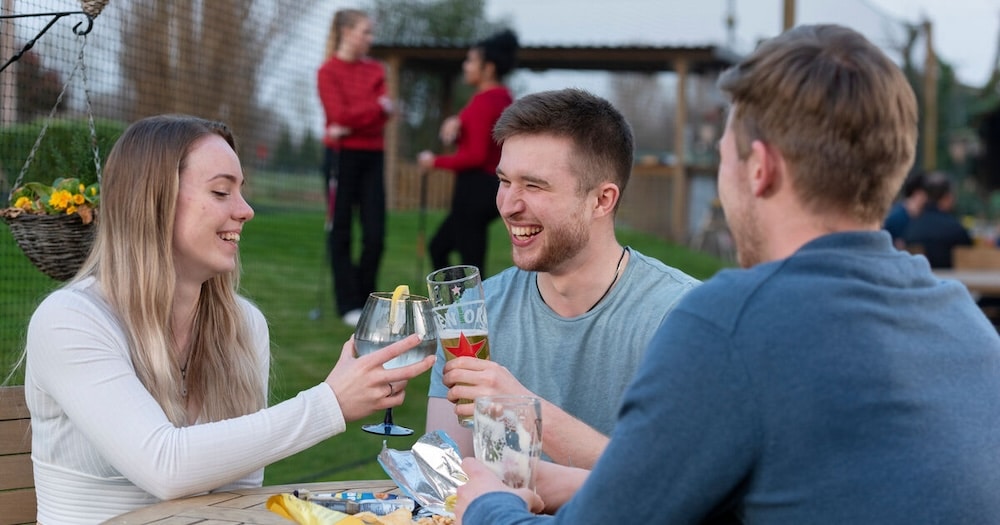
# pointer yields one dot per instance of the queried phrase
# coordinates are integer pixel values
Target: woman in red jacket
(473, 203)
(353, 92)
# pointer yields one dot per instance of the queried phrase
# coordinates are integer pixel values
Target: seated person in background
(936, 229)
(571, 321)
(834, 380)
(147, 374)
(910, 204)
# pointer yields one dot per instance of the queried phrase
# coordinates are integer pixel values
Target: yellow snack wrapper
(307, 513)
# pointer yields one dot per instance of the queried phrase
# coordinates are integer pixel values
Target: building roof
(447, 57)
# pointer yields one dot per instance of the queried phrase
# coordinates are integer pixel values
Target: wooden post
(393, 67)
(788, 15)
(930, 102)
(678, 208)
(8, 82)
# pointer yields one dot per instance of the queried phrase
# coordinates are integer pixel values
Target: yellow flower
(65, 196)
(23, 202)
(59, 199)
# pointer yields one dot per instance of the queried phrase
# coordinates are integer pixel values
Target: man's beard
(562, 243)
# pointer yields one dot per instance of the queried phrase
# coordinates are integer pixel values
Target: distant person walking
(352, 89)
(473, 203)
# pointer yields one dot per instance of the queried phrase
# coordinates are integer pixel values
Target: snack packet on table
(430, 472)
(307, 513)
(378, 503)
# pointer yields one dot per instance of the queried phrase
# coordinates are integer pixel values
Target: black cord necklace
(618, 269)
(613, 280)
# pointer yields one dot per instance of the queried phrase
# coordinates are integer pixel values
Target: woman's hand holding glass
(362, 385)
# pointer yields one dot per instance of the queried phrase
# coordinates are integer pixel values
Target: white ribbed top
(102, 446)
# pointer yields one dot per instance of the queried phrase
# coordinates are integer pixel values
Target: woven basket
(56, 244)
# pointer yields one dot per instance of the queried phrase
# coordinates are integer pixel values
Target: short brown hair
(840, 112)
(603, 146)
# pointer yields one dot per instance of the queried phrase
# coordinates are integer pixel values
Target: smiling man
(570, 322)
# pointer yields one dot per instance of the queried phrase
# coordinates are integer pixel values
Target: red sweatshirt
(350, 92)
(475, 148)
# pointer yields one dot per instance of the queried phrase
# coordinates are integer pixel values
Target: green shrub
(65, 150)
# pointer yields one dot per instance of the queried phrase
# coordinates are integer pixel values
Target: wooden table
(244, 506)
(980, 282)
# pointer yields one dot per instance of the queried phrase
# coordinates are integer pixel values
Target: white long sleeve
(101, 444)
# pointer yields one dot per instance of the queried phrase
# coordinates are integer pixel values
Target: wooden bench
(17, 481)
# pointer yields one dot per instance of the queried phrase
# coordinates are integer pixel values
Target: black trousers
(473, 208)
(361, 187)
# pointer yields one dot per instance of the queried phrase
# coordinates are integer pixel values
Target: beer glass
(507, 437)
(456, 294)
(383, 322)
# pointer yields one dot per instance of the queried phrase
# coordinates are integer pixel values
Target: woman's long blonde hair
(133, 262)
(342, 19)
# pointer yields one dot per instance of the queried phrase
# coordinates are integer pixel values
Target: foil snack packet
(430, 472)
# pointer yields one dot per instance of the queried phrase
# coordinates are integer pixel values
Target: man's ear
(608, 194)
(766, 168)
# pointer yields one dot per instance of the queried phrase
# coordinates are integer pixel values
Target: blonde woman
(146, 375)
(352, 89)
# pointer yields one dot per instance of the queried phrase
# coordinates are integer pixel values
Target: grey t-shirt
(581, 364)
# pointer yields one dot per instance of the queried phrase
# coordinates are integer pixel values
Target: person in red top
(473, 203)
(352, 89)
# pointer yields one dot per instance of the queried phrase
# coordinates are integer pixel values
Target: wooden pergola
(446, 59)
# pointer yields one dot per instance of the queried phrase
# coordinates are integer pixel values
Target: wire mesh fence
(249, 63)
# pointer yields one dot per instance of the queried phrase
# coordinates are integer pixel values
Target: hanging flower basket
(54, 225)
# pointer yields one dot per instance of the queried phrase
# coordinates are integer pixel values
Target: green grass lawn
(285, 274)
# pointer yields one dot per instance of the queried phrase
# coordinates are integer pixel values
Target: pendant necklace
(184, 375)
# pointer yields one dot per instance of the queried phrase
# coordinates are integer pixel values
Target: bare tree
(648, 107)
(203, 58)
(37, 87)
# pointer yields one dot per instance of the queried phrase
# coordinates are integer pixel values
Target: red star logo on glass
(456, 290)
(465, 348)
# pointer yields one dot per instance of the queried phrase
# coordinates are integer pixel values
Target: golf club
(421, 226)
(325, 269)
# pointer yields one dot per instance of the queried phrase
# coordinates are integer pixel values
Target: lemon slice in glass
(400, 291)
